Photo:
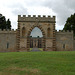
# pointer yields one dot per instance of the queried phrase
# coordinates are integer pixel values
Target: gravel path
(35, 49)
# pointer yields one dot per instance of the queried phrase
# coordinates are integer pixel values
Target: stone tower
(27, 24)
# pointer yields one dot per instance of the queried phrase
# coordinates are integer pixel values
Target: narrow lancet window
(48, 32)
(64, 46)
(7, 45)
(23, 31)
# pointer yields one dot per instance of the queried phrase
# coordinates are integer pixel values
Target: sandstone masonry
(52, 40)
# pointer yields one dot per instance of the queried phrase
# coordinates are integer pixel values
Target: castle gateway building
(20, 39)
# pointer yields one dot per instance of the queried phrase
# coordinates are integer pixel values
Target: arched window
(48, 32)
(23, 31)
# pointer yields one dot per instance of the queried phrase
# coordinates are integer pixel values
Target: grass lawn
(37, 63)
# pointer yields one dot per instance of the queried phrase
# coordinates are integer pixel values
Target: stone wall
(7, 41)
(19, 40)
(64, 41)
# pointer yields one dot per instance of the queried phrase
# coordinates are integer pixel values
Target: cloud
(70, 4)
(17, 7)
(19, 11)
(62, 8)
(32, 3)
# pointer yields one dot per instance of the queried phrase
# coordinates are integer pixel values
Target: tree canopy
(70, 23)
(3, 23)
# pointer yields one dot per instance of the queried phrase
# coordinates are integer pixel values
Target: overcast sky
(62, 9)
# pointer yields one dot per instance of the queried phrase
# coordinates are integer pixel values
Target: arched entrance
(25, 26)
(36, 38)
(36, 42)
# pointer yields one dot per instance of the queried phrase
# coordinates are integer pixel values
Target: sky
(62, 9)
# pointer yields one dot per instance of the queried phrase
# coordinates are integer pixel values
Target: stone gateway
(20, 39)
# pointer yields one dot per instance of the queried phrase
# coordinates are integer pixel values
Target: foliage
(70, 24)
(8, 24)
(3, 23)
(37, 63)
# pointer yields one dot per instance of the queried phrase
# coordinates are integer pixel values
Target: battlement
(7, 31)
(64, 32)
(33, 18)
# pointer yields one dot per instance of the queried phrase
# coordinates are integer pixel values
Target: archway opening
(36, 38)
(36, 32)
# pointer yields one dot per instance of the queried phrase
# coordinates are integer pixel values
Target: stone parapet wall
(34, 18)
(64, 40)
(64, 32)
(7, 31)
(8, 41)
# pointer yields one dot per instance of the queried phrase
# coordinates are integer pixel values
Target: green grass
(37, 63)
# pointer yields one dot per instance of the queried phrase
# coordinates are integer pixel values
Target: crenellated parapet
(64, 32)
(7, 31)
(34, 18)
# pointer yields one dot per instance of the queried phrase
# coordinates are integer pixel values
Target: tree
(3, 23)
(8, 24)
(70, 23)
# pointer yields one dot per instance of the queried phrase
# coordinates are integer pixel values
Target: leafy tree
(70, 23)
(3, 23)
(8, 24)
